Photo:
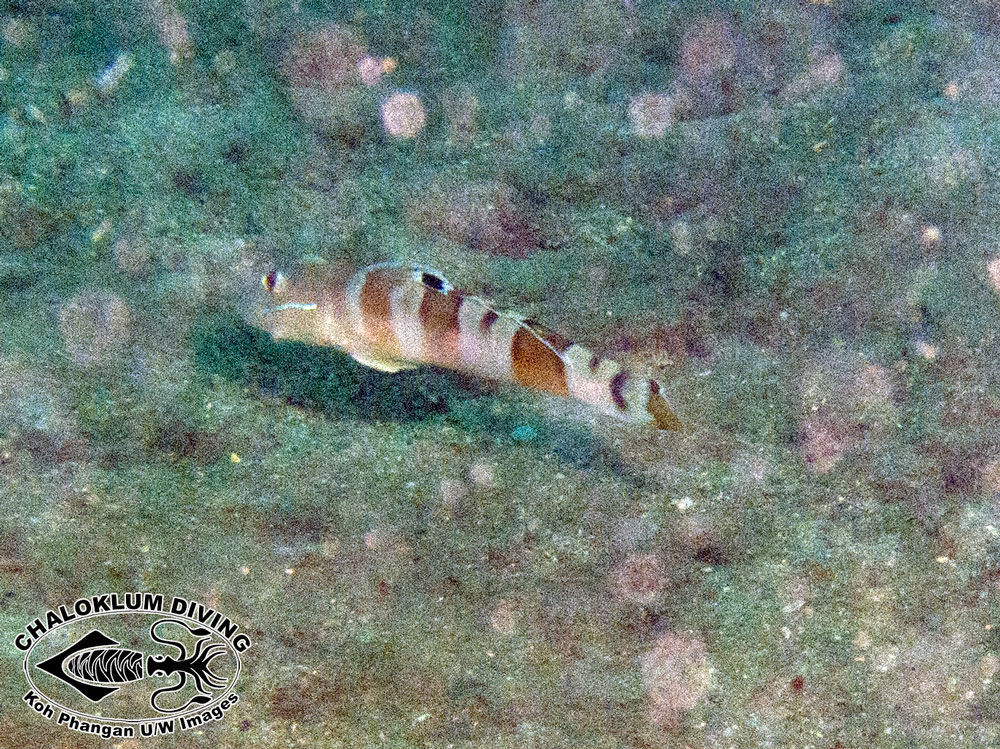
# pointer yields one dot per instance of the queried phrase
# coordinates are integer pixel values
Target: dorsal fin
(551, 339)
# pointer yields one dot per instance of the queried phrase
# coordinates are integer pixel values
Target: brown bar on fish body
(536, 363)
(392, 316)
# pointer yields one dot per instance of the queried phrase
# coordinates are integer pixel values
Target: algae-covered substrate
(786, 212)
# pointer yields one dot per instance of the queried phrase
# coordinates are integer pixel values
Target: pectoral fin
(382, 365)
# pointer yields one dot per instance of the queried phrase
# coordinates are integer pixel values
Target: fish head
(299, 304)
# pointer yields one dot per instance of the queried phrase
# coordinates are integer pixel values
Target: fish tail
(609, 387)
(504, 346)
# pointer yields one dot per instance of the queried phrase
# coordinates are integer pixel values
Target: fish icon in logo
(96, 666)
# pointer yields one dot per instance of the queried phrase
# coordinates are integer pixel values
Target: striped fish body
(391, 317)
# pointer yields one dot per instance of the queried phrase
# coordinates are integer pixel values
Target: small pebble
(482, 476)
(403, 115)
(651, 115)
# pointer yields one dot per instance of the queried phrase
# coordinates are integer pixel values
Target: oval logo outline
(134, 721)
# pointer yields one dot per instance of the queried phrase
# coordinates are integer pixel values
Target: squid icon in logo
(95, 666)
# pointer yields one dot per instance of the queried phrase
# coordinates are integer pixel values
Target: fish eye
(271, 281)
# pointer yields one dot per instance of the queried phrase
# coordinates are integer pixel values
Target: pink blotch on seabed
(403, 115)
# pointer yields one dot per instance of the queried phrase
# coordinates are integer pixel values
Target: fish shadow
(329, 381)
(320, 378)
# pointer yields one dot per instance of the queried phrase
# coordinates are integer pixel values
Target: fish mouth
(307, 306)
